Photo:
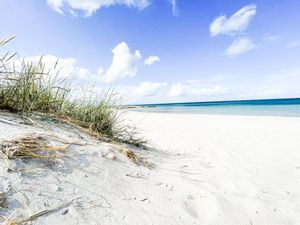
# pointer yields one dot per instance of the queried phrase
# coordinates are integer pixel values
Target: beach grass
(30, 88)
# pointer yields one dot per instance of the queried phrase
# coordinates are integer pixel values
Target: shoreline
(289, 107)
(207, 114)
(218, 101)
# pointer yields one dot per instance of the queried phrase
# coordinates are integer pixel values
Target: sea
(288, 107)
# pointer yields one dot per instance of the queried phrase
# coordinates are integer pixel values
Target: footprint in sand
(190, 206)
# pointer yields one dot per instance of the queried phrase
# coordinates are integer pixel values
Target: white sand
(230, 169)
(210, 170)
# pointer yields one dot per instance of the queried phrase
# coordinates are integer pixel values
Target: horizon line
(214, 101)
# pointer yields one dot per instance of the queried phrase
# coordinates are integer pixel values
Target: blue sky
(164, 50)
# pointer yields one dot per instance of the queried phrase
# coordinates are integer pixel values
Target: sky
(154, 51)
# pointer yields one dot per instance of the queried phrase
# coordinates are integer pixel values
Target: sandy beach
(149, 112)
(209, 169)
(227, 169)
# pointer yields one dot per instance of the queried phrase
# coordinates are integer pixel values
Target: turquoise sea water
(268, 107)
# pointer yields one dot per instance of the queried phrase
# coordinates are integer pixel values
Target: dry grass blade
(33, 122)
(5, 41)
(36, 215)
(32, 147)
(139, 160)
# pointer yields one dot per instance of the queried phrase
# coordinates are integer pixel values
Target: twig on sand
(2, 200)
(33, 122)
(135, 176)
(38, 214)
(129, 175)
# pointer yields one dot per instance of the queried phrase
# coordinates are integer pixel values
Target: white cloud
(270, 37)
(124, 64)
(88, 7)
(146, 89)
(176, 90)
(55, 66)
(239, 46)
(174, 7)
(62, 70)
(151, 59)
(235, 24)
(83, 73)
(194, 90)
(284, 84)
(280, 84)
(208, 91)
(293, 44)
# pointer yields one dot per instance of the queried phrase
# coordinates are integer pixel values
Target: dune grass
(29, 88)
(32, 147)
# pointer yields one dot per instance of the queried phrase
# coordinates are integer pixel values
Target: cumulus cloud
(60, 70)
(124, 64)
(155, 92)
(83, 73)
(209, 91)
(179, 89)
(176, 90)
(151, 59)
(239, 46)
(146, 89)
(88, 7)
(55, 66)
(235, 24)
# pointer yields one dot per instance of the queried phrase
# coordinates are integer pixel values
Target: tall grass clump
(27, 87)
